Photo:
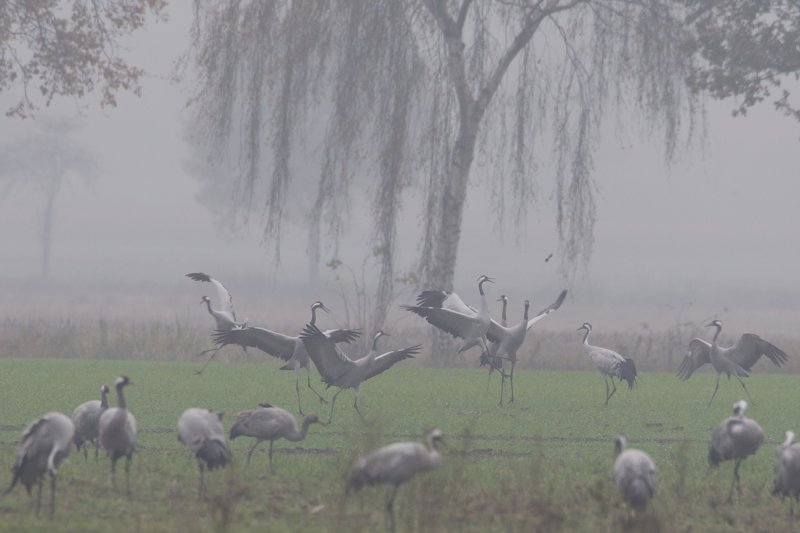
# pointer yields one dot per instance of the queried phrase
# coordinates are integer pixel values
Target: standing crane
(609, 363)
(786, 481)
(201, 431)
(735, 438)
(118, 432)
(86, 418)
(448, 312)
(634, 474)
(340, 371)
(290, 349)
(394, 465)
(44, 444)
(270, 423)
(493, 363)
(734, 360)
(506, 341)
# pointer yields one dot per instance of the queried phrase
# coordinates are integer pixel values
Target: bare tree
(416, 91)
(59, 48)
(44, 160)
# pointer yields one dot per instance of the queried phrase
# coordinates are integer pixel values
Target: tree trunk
(47, 233)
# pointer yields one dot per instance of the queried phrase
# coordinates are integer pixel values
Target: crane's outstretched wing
(342, 335)
(456, 324)
(275, 344)
(699, 353)
(389, 359)
(445, 300)
(549, 309)
(496, 332)
(331, 363)
(225, 298)
(751, 347)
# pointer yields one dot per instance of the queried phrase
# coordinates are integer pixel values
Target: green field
(542, 464)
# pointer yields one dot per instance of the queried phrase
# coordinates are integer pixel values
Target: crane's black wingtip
(310, 331)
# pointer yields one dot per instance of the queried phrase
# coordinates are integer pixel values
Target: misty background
(714, 235)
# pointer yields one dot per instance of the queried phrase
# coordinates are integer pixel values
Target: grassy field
(542, 464)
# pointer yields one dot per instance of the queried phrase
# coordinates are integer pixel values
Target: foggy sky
(719, 228)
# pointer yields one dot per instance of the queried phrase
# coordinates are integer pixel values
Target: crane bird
(448, 312)
(340, 371)
(609, 363)
(86, 418)
(493, 363)
(734, 360)
(634, 474)
(44, 444)
(201, 431)
(290, 349)
(736, 437)
(225, 316)
(118, 431)
(270, 423)
(786, 481)
(506, 341)
(394, 465)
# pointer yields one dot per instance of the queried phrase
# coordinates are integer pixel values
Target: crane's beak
(325, 308)
(709, 325)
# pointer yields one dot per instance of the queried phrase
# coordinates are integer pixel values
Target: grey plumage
(734, 360)
(735, 438)
(86, 418)
(288, 348)
(271, 423)
(118, 431)
(448, 312)
(202, 432)
(224, 316)
(44, 444)
(394, 465)
(609, 363)
(634, 474)
(338, 370)
(786, 481)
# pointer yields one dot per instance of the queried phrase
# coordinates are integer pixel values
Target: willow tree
(407, 94)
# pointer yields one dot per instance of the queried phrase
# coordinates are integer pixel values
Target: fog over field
(715, 234)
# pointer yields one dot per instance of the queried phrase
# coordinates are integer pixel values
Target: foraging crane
(394, 465)
(290, 349)
(448, 312)
(506, 341)
(609, 363)
(270, 423)
(734, 360)
(44, 444)
(340, 371)
(118, 432)
(86, 418)
(736, 437)
(202, 432)
(634, 474)
(786, 481)
(225, 316)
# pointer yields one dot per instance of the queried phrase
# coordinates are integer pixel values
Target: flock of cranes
(47, 441)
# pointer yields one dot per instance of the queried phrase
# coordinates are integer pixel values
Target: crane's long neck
(375, 343)
(484, 306)
(525, 315)
(208, 306)
(121, 397)
(296, 435)
(313, 315)
(586, 337)
(505, 317)
(104, 399)
(719, 330)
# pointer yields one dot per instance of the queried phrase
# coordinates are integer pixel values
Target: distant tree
(746, 50)
(53, 47)
(413, 92)
(44, 161)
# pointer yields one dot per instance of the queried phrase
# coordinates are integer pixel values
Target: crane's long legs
(333, 402)
(511, 379)
(271, 443)
(297, 390)
(252, 449)
(746, 391)
(321, 398)
(355, 404)
(39, 498)
(613, 390)
(390, 509)
(202, 488)
(96, 449)
(52, 494)
(114, 459)
(502, 384)
(735, 482)
(715, 390)
(605, 377)
(213, 355)
(128, 460)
